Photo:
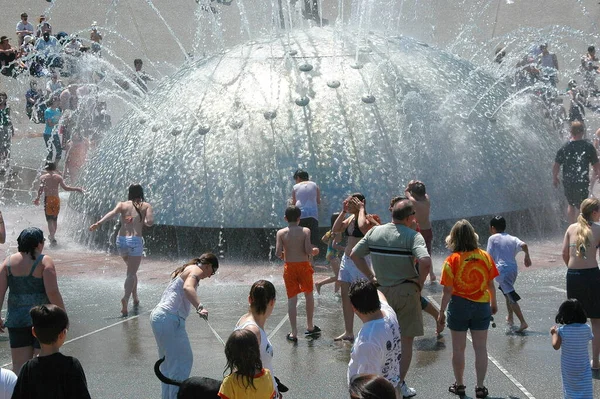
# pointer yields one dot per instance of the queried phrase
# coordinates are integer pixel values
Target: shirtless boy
(49, 183)
(415, 191)
(295, 248)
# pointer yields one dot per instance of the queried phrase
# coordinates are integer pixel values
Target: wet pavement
(118, 354)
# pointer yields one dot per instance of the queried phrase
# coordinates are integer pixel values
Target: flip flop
(291, 338)
(456, 389)
(316, 330)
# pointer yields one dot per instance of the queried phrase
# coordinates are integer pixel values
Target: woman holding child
(30, 278)
(168, 319)
(583, 276)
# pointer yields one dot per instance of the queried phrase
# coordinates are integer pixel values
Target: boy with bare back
(415, 191)
(49, 183)
(295, 248)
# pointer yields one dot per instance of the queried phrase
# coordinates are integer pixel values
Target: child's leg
(335, 267)
(310, 310)
(509, 309)
(517, 310)
(292, 313)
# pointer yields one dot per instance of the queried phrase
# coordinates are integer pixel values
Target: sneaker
(406, 391)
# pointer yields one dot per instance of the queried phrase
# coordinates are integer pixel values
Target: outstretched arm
(69, 188)
(527, 259)
(109, 215)
(36, 201)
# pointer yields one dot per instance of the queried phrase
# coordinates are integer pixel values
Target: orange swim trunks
(51, 207)
(298, 278)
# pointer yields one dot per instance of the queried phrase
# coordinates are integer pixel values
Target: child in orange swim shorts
(295, 248)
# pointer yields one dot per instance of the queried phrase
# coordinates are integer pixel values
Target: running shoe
(406, 391)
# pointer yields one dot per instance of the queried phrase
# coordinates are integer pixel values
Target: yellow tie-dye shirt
(468, 273)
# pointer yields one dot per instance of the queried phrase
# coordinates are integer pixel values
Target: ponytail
(204, 259)
(261, 293)
(584, 231)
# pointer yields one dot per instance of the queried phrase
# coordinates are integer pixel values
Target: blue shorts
(130, 245)
(464, 314)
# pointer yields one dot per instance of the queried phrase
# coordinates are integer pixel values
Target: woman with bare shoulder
(135, 214)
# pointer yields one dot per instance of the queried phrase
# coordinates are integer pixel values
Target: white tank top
(266, 349)
(306, 199)
(173, 299)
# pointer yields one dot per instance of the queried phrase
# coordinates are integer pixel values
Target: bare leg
(20, 356)
(509, 318)
(134, 292)
(133, 264)
(52, 226)
(459, 344)
(292, 314)
(517, 310)
(481, 359)
(310, 310)
(595, 343)
(335, 267)
(406, 344)
(348, 334)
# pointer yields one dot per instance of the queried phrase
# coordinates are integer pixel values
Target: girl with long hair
(470, 297)
(247, 378)
(168, 319)
(579, 252)
(135, 215)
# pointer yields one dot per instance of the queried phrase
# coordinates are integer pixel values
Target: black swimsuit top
(355, 231)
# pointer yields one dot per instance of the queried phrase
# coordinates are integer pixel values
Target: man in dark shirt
(52, 375)
(575, 158)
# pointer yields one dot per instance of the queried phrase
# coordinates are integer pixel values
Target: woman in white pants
(168, 319)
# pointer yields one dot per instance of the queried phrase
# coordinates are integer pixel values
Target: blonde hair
(584, 232)
(462, 237)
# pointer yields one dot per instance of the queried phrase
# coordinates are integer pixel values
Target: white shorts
(349, 273)
(506, 279)
(130, 245)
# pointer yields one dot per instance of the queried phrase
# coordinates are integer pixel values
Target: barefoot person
(333, 255)
(30, 278)
(294, 247)
(355, 227)
(583, 276)
(49, 184)
(135, 214)
(470, 297)
(416, 192)
(503, 248)
(168, 319)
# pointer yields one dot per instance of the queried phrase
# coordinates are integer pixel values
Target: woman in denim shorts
(470, 298)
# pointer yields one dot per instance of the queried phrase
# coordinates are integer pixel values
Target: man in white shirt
(24, 28)
(377, 348)
(306, 195)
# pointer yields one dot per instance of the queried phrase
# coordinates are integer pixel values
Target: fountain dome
(217, 143)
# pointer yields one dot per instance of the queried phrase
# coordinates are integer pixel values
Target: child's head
(49, 322)
(498, 223)
(300, 175)
(334, 218)
(261, 294)
(243, 356)
(418, 189)
(292, 213)
(364, 297)
(50, 166)
(571, 311)
(371, 386)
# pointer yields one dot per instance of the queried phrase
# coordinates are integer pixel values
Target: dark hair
(3, 94)
(499, 223)
(358, 196)
(204, 259)
(48, 322)
(401, 211)
(571, 311)
(29, 239)
(137, 61)
(364, 297)
(135, 192)
(301, 174)
(50, 166)
(591, 49)
(261, 293)
(371, 386)
(334, 217)
(243, 356)
(292, 213)
(418, 189)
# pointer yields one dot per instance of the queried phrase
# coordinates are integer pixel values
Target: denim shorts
(464, 314)
(20, 337)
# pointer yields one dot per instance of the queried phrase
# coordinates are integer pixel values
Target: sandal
(456, 389)
(481, 392)
(291, 338)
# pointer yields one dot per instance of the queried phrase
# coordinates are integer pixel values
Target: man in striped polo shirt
(395, 248)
